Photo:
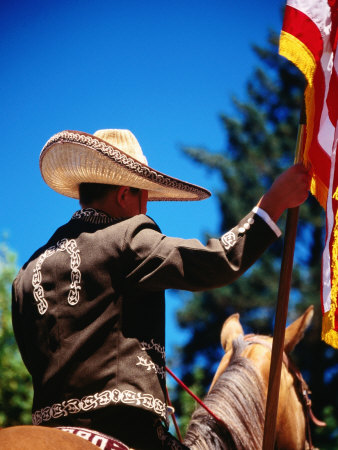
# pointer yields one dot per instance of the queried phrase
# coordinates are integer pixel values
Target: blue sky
(165, 70)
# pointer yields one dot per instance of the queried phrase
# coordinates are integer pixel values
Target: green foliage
(15, 382)
(261, 137)
(328, 436)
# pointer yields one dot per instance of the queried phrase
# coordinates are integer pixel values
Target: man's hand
(289, 190)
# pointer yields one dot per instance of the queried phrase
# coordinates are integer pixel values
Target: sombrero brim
(70, 158)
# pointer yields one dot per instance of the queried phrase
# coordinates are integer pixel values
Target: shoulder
(141, 233)
(141, 221)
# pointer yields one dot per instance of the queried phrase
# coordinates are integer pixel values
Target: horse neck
(237, 399)
(291, 422)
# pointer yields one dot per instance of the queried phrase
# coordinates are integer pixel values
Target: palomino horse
(237, 397)
(239, 389)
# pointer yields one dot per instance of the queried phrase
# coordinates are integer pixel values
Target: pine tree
(261, 138)
(16, 391)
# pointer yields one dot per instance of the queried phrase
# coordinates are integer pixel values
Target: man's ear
(122, 195)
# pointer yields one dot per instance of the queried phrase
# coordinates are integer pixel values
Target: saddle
(103, 441)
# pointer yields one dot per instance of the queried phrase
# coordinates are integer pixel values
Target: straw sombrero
(109, 157)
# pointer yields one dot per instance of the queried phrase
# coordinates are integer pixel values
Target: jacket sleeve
(159, 262)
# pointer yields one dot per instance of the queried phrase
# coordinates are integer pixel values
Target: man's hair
(90, 192)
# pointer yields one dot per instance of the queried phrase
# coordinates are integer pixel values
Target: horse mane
(238, 400)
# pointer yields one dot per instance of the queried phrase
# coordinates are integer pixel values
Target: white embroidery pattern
(153, 345)
(94, 216)
(151, 366)
(97, 400)
(228, 239)
(73, 296)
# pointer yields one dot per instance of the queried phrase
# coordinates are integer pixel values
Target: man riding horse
(88, 306)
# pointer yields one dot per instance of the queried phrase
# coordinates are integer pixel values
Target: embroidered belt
(99, 400)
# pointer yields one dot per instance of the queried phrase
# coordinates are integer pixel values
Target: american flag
(309, 39)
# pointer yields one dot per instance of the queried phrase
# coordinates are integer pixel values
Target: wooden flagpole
(282, 307)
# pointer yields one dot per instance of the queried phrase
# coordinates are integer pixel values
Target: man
(88, 307)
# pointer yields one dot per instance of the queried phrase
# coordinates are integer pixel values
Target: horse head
(291, 419)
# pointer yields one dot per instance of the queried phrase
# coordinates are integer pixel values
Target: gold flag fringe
(329, 334)
(294, 50)
(297, 52)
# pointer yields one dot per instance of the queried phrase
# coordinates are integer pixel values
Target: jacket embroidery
(228, 239)
(97, 400)
(150, 365)
(153, 345)
(73, 295)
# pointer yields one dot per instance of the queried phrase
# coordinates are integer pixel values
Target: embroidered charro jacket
(88, 307)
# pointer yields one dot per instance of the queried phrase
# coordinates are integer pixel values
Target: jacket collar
(94, 216)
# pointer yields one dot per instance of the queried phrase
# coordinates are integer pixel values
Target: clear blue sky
(164, 69)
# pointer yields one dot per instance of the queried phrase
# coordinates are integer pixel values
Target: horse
(239, 389)
(237, 398)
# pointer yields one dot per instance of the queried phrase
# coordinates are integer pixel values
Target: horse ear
(295, 331)
(231, 330)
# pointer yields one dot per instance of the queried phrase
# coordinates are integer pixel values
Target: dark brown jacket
(88, 307)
